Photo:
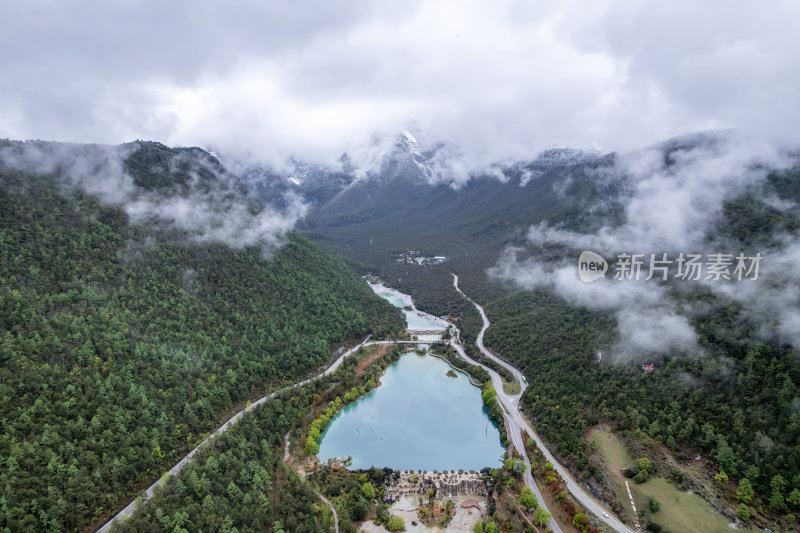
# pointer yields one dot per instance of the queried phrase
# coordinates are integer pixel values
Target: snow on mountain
(565, 156)
(403, 160)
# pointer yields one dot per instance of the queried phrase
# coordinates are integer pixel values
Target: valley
(378, 415)
(487, 267)
(146, 380)
(552, 329)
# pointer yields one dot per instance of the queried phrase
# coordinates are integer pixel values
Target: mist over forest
(193, 200)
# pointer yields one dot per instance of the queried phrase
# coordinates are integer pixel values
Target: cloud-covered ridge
(671, 199)
(208, 205)
(499, 81)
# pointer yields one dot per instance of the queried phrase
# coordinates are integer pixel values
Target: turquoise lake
(417, 419)
(413, 320)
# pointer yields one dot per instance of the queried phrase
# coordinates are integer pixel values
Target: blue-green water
(392, 299)
(414, 321)
(418, 418)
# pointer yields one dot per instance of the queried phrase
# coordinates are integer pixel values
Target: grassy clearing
(614, 453)
(679, 512)
(615, 457)
(511, 387)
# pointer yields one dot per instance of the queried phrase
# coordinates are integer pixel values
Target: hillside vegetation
(122, 345)
(737, 404)
(242, 481)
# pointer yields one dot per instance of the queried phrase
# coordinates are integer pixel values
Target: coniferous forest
(122, 346)
(242, 483)
(736, 404)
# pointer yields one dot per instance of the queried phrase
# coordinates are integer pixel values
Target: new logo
(591, 266)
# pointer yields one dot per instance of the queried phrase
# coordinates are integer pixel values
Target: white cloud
(500, 80)
(670, 209)
(215, 214)
(646, 321)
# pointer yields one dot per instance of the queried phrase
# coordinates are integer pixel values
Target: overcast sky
(500, 79)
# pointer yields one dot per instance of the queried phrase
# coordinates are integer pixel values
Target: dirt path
(288, 459)
(380, 351)
(175, 470)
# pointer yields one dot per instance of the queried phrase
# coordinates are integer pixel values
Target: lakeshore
(418, 418)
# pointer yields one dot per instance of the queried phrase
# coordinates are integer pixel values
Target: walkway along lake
(418, 418)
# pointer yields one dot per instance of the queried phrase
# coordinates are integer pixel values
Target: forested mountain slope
(735, 399)
(379, 219)
(737, 405)
(122, 344)
(732, 397)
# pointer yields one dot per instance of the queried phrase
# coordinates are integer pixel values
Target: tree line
(122, 346)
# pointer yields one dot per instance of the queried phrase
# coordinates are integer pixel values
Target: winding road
(175, 470)
(517, 421)
(507, 402)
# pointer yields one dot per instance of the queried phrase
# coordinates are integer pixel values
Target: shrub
(368, 491)
(541, 517)
(655, 505)
(527, 498)
(580, 521)
(396, 523)
(743, 512)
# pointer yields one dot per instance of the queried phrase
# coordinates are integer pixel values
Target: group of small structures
(413, 257)
(445, 484)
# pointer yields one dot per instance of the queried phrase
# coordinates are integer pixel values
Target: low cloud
(647, 323)
(206, 213)
(266, 81)
(773, 301)
(672, 199)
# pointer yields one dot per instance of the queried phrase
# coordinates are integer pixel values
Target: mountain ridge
(123, 343)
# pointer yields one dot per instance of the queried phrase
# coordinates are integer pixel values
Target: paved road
(507, 402)
(512, 403)
(514, 432)
(175, 470)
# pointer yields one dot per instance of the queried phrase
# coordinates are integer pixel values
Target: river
(416, 320)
